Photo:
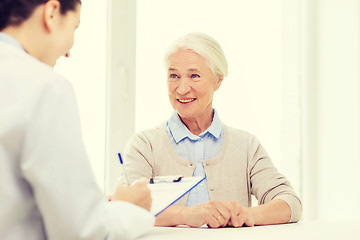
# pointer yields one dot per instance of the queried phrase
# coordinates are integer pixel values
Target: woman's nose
(183, 87)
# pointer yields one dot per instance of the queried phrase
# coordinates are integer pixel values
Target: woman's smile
(186, 100)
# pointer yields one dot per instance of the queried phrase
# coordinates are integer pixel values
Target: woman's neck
(30, 35)
(197, 125)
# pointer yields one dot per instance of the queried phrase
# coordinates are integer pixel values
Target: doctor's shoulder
(39, 78)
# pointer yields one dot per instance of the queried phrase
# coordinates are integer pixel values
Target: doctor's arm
(57, 168)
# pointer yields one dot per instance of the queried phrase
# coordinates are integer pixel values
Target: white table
(294, 231)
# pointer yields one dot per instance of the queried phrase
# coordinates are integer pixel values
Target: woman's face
(191, 85)
(63, 35)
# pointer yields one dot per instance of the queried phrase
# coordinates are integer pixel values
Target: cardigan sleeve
(138, 159)
(267, 183)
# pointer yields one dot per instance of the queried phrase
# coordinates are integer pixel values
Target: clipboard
(166, 190)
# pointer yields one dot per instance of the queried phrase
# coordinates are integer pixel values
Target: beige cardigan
(241, 168)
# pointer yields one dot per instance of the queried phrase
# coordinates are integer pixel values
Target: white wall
(86, 70)
(338, 109)
(121, 84)
(330, 109)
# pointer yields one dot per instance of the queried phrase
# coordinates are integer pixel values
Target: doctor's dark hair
(14, 12)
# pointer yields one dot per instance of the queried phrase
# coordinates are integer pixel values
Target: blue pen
(123, 167)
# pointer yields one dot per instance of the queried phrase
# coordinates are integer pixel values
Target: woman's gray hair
(205, 46)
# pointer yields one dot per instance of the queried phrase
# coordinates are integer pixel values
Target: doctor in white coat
(47, 190)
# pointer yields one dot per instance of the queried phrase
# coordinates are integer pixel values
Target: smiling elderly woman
(194, 142)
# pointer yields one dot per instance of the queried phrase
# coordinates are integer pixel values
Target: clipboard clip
(165, 179)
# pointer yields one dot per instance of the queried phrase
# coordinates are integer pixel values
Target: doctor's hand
(138, 194)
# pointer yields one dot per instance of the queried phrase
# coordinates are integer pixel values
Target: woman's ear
(51, 14)
(219, 80)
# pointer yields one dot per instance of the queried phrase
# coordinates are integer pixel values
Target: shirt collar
(10, 40)
(179, 131)
(216, 127)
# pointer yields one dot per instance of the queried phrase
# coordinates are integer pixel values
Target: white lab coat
(47, 188)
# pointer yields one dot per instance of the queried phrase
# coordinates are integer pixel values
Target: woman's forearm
(275, 212)
(170, 217)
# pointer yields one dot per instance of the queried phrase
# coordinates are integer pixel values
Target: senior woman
(194, 142)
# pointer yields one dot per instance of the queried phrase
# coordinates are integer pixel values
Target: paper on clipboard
(164, 194)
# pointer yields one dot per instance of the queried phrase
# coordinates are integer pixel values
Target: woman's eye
(173, 76)
(195, 76)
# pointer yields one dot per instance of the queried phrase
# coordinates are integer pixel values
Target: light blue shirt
(196, 149)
